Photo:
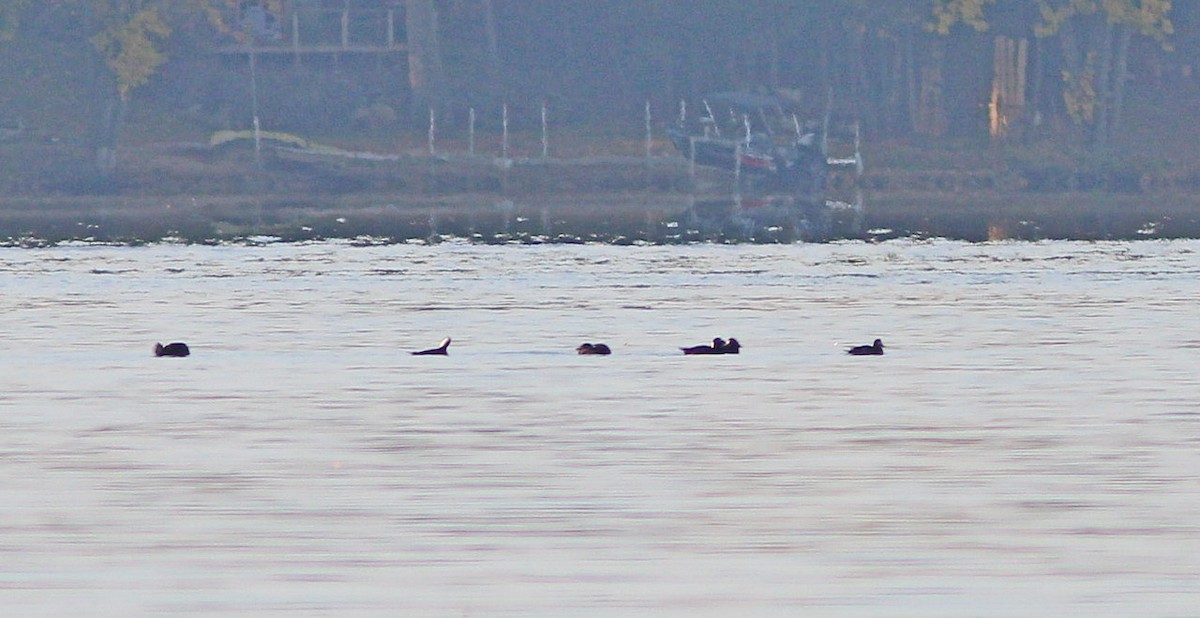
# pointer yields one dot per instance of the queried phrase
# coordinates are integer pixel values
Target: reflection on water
(619, 220)
(767, 220)
(1027, 446)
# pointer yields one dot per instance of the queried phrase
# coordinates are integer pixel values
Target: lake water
(1028, 446)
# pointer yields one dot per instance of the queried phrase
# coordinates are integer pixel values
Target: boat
(754, 135)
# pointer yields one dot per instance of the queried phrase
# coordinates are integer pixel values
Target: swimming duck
(717, 347)
(875, 349)
(171, 349)
(438, 351)
(593, 348)
(731, 347)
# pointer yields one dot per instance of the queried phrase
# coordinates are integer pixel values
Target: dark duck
(593, 348)
(176, 349)
(875, 349)
(719, 346)
(438, 351)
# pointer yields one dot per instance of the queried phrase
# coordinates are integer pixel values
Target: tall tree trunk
(910, 80)
(1119, 79)
(426, 76)
(893, 82)
(932, 120)
(862, 79)
(1078, 97)
(1104, 69)
(107, 110)
(1037, 113)
(824, 59)
(496, 81)
(110, 117)
(773, 50)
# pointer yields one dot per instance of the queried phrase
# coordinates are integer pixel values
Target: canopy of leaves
(130, 51)
(1148, 17)
(947, 13)
(131, 33)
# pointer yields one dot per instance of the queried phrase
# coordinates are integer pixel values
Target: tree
(126, 38)
(893, 67)
(1095, 36)
(426, 75)
(947, 13)
(129, 37)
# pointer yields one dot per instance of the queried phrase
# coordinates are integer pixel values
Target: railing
(319, 30)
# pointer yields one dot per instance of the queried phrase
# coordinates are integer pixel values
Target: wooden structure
(308, 31)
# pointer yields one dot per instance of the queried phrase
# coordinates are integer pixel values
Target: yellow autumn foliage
(129, 49)
(134, 30)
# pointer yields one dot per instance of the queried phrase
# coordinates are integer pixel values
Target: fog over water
(1027, 445)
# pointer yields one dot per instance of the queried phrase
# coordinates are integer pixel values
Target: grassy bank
(596, 185)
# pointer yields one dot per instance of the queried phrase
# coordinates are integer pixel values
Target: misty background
(1107, 83)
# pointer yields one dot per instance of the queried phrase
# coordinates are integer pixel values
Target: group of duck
(719, 346)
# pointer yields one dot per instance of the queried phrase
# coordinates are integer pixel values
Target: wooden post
(471, 132)
(858, 160)
(649, 143)
(296, 31)
(257, 143)
(649, 132)
(545, 134)
(391, 28)
(432, 131)
(737, 165)
(504, 131)
(692, 160)
(431, 182)
(254, 110)
(346, 26)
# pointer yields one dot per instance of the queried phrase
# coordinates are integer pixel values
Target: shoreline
(202, 194)
(624, 216)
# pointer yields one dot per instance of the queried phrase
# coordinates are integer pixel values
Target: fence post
(858, 160)
(649, 133)
(692, 160)
(432, 132)
(504, 132)
(545, 134)
(471, 132)
(254, 111)
(649, 144)
(345, 28)
(737, 164)
(257, 143)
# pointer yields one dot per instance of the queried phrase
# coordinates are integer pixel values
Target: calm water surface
(1028, 446)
